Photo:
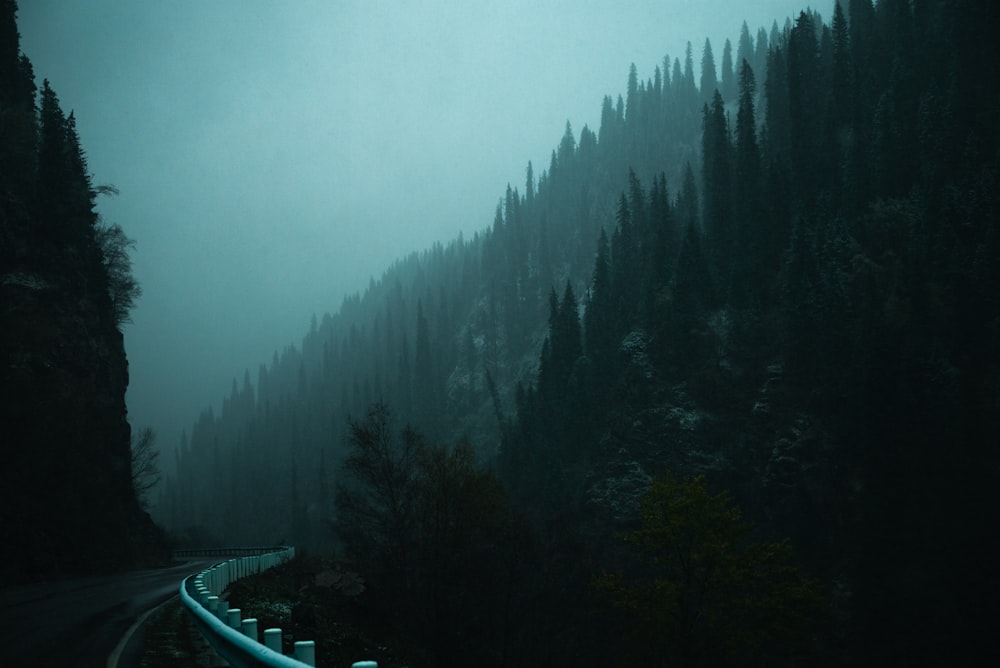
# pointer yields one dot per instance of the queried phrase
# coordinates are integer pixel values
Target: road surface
(79, 622)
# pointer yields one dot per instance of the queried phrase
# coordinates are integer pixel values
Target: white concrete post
(233, 615)
(305, 651)
(250, 629)
(213, 605)
(365, 664)
(272, 639)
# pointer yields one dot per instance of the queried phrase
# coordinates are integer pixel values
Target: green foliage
(708, 594)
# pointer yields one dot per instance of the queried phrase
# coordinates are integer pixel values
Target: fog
(273, 157)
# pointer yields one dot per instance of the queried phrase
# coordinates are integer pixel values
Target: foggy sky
(273, 156)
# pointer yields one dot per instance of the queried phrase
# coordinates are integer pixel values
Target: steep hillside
(68, 503)
(787, 284)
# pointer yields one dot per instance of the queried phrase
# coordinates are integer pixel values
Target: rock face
(68, 500)
(67, 505)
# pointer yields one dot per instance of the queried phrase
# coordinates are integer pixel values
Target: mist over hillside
(719, 385)
(768, 275)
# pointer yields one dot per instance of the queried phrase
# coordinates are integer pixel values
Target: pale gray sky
(273, 156)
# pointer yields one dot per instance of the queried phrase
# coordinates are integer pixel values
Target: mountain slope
(803, 308)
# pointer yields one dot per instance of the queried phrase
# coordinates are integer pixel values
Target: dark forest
(720, 385)
(69, 503)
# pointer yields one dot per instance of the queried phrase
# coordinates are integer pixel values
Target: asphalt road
(79, 622)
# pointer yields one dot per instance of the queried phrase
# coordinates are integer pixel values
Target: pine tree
(677, 82)
(842, 86)
(709, 78)
(529, 186)
(599, 326)
(861, 36)
(687, 207)
(53, 171)
(608, 132)
(728, 75)
(744, 49)
(777, 110)
(632, 99)
(693, 294)
(689, 88)
(662, 259)
(748, 186)
(717, 183)
(655, 96)
(662, 231)
(567, 149)
(805, 88)
(424, 378)
(567, 339)
(761, 48)
(623, 263)
(747, 150)
(17, 132)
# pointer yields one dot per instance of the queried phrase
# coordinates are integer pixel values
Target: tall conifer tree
(728, 75)
(709, 77)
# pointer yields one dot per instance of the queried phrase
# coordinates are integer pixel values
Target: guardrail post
(272, 639)
(202, 595)
(249, 628)
(305, 651)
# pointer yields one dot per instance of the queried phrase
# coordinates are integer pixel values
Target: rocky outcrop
(68, 499)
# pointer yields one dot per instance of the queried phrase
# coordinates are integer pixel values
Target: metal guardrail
(189, 552)
(234, 639)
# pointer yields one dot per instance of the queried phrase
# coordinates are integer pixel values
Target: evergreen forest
(771, 289)
(719, 385)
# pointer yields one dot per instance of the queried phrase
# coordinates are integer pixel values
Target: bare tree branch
(145, 468)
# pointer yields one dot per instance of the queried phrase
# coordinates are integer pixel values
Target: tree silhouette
(709, 77)
(145, 464)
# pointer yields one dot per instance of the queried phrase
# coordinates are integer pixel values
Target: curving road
(79, 622)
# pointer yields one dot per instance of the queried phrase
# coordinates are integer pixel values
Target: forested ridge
(778, 280)
(69, 503)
